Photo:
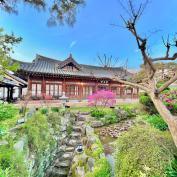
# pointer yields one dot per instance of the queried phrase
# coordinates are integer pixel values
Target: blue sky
(92, 34)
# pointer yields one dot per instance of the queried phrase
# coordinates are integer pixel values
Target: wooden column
(64, 86)
(20, 92)
(43, 87)
(8, 94)
(11, 93)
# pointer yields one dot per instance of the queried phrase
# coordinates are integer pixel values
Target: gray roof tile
(45, 65)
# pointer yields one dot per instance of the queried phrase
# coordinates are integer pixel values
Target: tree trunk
(167, 116)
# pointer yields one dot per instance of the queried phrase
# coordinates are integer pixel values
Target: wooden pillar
(8, 94)
(81, 91)
(20, 92)
(43, 87)
(29, 84)
(64, 86)
(11, 93)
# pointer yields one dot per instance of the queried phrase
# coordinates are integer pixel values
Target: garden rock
(89, 130)
(90, 163)
(81, 118)
(96, 124)
(21, 121)
(19, 146)
(80, 172)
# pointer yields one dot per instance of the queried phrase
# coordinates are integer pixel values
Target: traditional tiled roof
(45, 65)
(10, 79)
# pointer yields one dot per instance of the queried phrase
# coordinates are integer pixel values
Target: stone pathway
(61, 165)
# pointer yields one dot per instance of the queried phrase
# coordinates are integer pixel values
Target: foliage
(157, 122)
(97, 113)
(143, 151)
(55, 109)
(102, 169)
(7, 111)
(170, 100)
(11, 163)
(103, 98)
(54, 119)
(101, 166)
(60, 11)
(37, 130)
(6, 44)
(109, 119)
(44, 110)
(171, 170)
(147, 103)
(110, 116)
(69, 129)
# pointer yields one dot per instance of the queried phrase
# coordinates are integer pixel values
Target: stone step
(81, 118)
(69, 149)
(64, 164)
(66, 156)
(77, 129)
(72, 142)
(76, 134)
(58, 172)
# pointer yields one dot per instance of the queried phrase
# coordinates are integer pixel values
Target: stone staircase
(61, 164)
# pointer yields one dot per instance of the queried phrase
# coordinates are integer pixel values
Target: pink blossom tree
(103, 98)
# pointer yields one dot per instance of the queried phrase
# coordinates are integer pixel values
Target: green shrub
(97, 113)
(55, 120)
(109, 119)
(69, 129)
(130, 111)
(143, 151)
(7, 111)
(37, 130)
(101, 169)
(55, 109)
(12, 164)
(146, 101)
(171, 170)
(44, 110)
(157, 122)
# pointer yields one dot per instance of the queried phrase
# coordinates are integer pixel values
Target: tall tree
(149, 83)
(6, 48)
(61, 11)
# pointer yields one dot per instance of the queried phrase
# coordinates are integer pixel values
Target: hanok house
(50, 79)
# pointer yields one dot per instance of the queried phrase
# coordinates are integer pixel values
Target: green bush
(101, 169)
(157, 122)
(97, 113)
(44, 110)
(7, 111)
(171, 170)
(109, 119)
(54, 119)
(12, 164)
(143, 151)
(69, 129)
(146, 101)
(55, 109)
(37, 130)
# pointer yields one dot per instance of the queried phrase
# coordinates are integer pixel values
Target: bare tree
(149, 84)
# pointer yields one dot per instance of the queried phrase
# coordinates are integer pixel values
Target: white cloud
(72, 44)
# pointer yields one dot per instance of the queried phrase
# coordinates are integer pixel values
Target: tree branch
(131, 84)
(174, 57)
(169, 82)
